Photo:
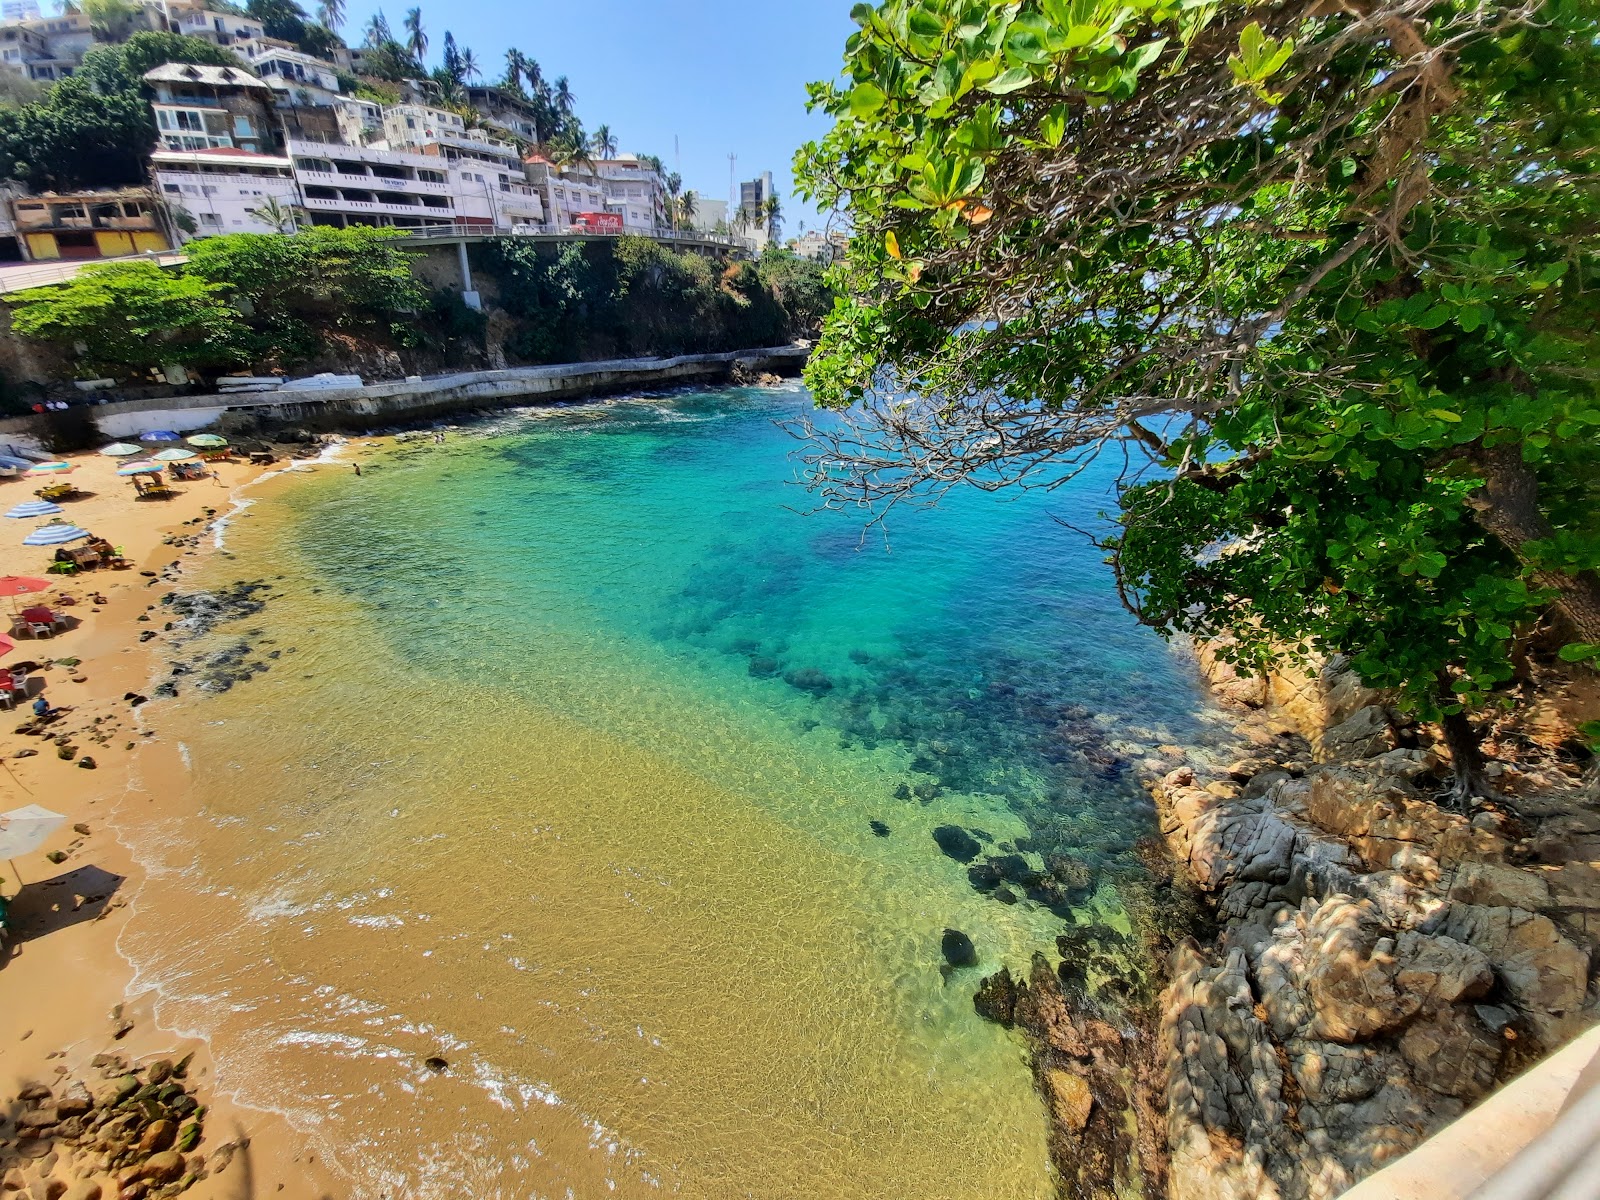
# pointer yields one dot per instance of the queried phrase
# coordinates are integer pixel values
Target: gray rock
(1364, 734)
(1453, 1054)
(1494, 885)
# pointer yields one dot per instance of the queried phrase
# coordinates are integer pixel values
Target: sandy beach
(69, 994)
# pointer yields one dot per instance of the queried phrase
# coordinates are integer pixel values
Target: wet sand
(61, 974)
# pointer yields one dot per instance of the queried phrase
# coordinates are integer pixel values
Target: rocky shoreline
(1361, 965)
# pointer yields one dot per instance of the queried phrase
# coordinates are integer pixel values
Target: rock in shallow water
(957, 843)
(958, 949)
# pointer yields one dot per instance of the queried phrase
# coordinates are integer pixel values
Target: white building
(567, 192)
(46, 48)
(823, 246)
(232, 30)
(710, 216)
(224, 189)
(295, 78)
(363, 185)
(634, 191)
(20, 10)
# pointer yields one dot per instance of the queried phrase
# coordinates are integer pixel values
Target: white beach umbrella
(23, 830)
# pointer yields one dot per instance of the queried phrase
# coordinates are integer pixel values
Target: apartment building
(296, 79)
(634, 191)
(710, 216)
(102, 224)
(46, 48)
(226, 190)
(234, 31)
(365, 185)
(823, 246)
(568, 192)
(506, 111)
(207, 108)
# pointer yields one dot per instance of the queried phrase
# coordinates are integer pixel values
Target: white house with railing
(225, 190)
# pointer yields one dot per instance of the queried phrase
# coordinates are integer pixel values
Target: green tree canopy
(134, 314)
(94, 128)
(1331, 269)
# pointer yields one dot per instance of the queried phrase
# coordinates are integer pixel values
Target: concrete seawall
(403, 401)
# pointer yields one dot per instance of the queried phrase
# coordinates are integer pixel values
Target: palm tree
(604, 144)
(513, 77)
(378, 30)
(470, 70)
(674, 184)
(564, 99)
(773, 212)
(688, 206)
(416, 42)
(331, 13)
(284, 218)
(450, 60)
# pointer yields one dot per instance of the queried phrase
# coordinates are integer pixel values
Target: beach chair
(62, 568)
(19, 682)
(8, 695)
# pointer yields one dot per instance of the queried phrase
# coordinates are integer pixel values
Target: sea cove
(573, 756)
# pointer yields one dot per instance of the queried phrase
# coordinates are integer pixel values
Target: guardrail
(60, 270)
(694, 237)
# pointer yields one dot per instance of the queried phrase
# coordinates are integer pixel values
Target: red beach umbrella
(22, 585)
(6, 645)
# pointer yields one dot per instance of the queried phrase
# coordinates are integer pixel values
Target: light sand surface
(61, 974)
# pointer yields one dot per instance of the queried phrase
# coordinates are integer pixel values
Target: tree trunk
(1466, 754)
(1507, 506)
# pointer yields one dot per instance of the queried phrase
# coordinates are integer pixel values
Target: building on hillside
(106, 224)
(362, 185)
(46, 48)
(569, 193)
(206, 108)
(505, 110)
(20, 10)
(360, 121)
(751, 217)
(231, 30)
(634, 191)
(823, 246)
(225, 190)
(710, 216)
(297, 79)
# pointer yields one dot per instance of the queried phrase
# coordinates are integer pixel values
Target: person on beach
(42, 709)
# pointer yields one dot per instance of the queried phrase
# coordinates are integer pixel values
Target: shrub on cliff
(1325, 273)
(94, 128)
(636, 296)
(132, 315)
(292, 289)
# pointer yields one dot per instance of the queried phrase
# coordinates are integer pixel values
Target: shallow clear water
(563, 769)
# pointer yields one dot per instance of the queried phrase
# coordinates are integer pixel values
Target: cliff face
(1380, 963)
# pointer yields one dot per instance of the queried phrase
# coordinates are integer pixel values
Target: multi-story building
(568, 192)
(710, 216)
(232, 30)
(20, 10)
(360, 121)
(296, 79)
(46, 48)
(227, 190)
(206, 108)
(753, 197)
(106, 224)
(634, 191)
(362, 185)
(823, 246)
(506, 111)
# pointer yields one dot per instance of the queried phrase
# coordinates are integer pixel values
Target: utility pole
(733, 196)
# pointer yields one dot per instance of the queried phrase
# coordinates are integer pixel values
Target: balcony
(378, 207)
(372, 182)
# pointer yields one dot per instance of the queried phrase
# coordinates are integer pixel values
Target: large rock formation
(1381, 963)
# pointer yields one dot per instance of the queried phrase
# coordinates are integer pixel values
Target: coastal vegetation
(1326, 278)
(275, 301)
(94, 128)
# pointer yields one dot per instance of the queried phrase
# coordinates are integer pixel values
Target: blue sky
(723, 76)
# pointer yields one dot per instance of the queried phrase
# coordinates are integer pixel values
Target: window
(242, 128)
(173, 188)
(207, 189)
(211, 219)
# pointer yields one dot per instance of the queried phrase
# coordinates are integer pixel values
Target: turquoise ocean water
(582, 758)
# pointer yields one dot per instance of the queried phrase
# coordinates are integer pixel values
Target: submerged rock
(996, 997)
(958, 949)
(957, 842)
(878, 828)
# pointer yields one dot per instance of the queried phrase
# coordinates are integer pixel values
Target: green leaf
(1577, 652)
(1010, 81)
(866, 99)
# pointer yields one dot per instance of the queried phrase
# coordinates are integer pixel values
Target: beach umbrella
(51, 468)
(120, 450)
(18, 464)
(159, 435)
(143, 467)
(34, 508)
(55, 534)
(23, 830)
(6, 645)
(13, 586)
(208, 440)
(176, 454)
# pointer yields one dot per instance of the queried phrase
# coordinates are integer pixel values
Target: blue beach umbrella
(55, 534)
(159, 435)
(35, 508)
